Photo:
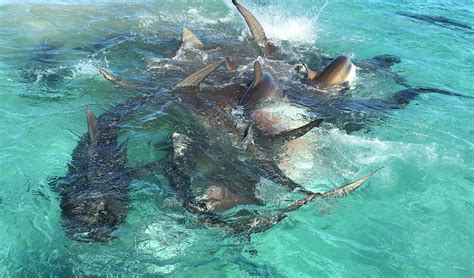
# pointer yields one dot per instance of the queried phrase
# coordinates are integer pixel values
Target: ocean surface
(412, 218)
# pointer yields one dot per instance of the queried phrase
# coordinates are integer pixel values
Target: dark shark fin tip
(298, 132)
(91, 125)
(257, 71)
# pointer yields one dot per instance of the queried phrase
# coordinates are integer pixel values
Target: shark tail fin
(256, 29)
(230, 65)
(91, 125)
(262, 223)
(257, 71)
(297, 132)
(348, 188)
(191, 40)
(199, 76)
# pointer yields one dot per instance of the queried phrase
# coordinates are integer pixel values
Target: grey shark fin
(191, 40)
(91, 125)
(262, 223)
(297, 132)
(230, 65)
(255, 27)
(199, 76)
(117, 81)
(109, 76)
(256, 30)
(257, 71)
(348, 188)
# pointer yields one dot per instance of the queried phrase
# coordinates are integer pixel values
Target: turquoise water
(413, 218)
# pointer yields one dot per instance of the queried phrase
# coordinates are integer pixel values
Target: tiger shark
(94, 194)
(220, 189)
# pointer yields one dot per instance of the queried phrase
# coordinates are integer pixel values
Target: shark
(94, 194)
(222, 190)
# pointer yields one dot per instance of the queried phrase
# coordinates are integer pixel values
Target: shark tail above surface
(256, 30)
(263, 222)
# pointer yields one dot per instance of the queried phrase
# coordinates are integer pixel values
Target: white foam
(84, 69)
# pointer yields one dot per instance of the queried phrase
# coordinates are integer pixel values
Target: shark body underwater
(94, 193)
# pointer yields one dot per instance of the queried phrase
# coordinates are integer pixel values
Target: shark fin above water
(256, 30)
(263, 222)
(117, 81)
(197, 77)
(191, 40)
(257, 71)
(348, 188)
(297, 132)
(91, 125)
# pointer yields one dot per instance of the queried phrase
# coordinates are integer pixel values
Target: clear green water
(414, 218)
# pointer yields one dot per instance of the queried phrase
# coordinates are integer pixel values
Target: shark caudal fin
(256, 30)
(91, 125)
(199, 76)
(261, 223)
(348, 188)
(191, 40)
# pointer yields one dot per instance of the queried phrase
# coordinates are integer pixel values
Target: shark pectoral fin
(91, 125)
(107, 75)
(257, 71)
(297, 132)
(230, 65)
(191, 40)
(115, 80)
(199, 76)
(348, 188)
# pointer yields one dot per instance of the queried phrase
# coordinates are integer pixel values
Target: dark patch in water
(437, 20)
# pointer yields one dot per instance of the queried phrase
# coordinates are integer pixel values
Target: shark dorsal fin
(257, 71)
(197, 77)
(91, 125)
(190, 40)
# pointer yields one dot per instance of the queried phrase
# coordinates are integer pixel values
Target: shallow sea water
(413, 218)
